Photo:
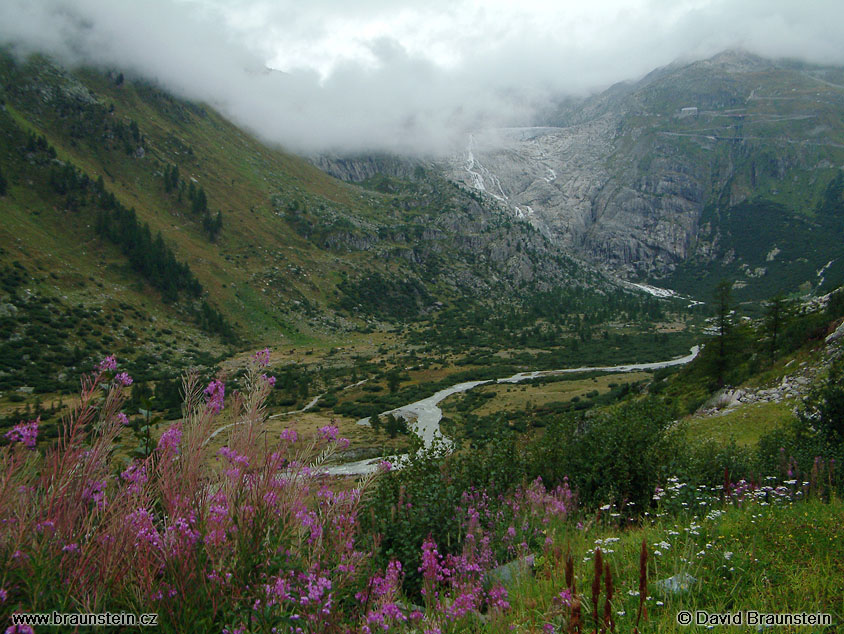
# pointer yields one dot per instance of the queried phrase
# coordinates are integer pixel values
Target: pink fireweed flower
(233, 457)
(3, 595)
(136, 476)
(70, 548)
(289, 435)
(564, 597)
(309, 521)
(140, 524)
(170, 439)
(317, 585)
(497, 598)
(182, 534)
(384, 587)
(262, 357)
(216, 392)
(20, 628)
(343, 443)
(94, 491)
(269, 379)
(107, 364)
(123, 379)
(122, 418)
(25, 433)
(329, 432)
(465, 602)
(385, 466)
(431, 567)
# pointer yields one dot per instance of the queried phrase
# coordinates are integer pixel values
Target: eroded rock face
(359, 168)
(623, 178)
(562, 181)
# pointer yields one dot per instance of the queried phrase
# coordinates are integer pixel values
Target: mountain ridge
(639, 169)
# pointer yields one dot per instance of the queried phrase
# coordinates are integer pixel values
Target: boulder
(679, 583)
(835, 336)
(509, 573)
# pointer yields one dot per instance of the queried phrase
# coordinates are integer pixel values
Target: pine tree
(776, 315)
(200, 202)
(723, 323)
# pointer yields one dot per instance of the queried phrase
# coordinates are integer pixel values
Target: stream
(426, 414)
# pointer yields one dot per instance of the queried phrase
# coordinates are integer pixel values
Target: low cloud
(345, 76)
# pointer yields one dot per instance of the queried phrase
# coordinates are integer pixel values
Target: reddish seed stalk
(643, 585)
(596, 586)
(570, 572)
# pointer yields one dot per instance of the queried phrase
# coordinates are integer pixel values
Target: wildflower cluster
(259, 544)
(24, 433)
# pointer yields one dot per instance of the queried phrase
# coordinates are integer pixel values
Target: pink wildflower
(20, 628)
(329, 432)
(140, 522)
(564, 597)
(170, 439)
(431, 567)
(289, 435)
(269, 379)
(136, 476)
(94, 491)
(122, 418)
(123, 379)
(497, 598)
(385, 466)
(25, 433)
(262, 357)
(233, 457)
(109, 363)
(216, 392)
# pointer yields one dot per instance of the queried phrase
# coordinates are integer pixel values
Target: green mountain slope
(154, 228)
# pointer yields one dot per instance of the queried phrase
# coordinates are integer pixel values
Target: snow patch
(655, 290)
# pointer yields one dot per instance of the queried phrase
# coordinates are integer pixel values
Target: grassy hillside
(154, 228)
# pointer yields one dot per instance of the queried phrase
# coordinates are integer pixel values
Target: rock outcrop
(624, 178)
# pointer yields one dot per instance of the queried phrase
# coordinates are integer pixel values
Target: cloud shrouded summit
(393, 75)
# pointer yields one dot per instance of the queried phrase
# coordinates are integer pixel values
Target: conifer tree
(723, 324)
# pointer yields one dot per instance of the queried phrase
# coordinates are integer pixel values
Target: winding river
(426, 414)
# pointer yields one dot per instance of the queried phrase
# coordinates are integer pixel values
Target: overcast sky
(401, 75)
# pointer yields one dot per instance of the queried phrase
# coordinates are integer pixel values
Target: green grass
(767, 558)
(745, 425)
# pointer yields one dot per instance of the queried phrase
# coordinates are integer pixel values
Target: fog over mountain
(379, 75)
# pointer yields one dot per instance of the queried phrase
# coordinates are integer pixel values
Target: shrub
(617, 455)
